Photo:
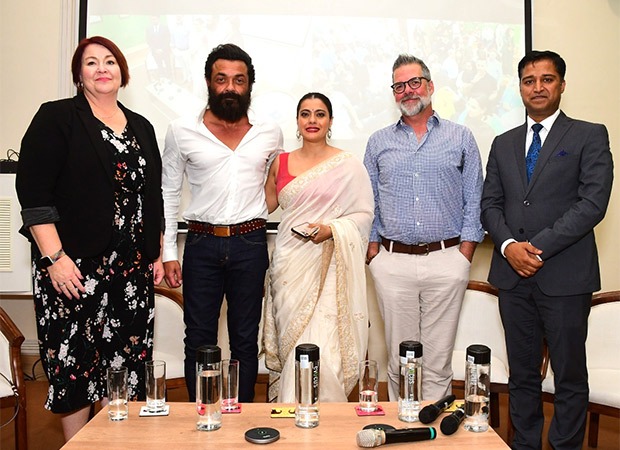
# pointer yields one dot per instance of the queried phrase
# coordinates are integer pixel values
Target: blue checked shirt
(425, 191)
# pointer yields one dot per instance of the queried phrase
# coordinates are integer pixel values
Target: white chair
(12, 387)
(169, 333)
(603, 360)
(480, 323)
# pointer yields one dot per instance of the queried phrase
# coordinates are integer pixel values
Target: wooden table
(338, 428)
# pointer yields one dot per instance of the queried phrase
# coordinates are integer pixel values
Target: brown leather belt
(227, 230)
(419, 249)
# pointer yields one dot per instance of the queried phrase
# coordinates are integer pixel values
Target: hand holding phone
(305, 230)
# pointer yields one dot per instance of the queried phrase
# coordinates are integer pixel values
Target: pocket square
(561, 153)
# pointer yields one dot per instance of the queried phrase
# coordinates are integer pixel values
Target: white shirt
(226, 186)
(544, 131)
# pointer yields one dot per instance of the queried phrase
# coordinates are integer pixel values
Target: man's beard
(229, 106)
(408, 111)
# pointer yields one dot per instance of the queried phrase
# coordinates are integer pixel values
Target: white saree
(317, 292)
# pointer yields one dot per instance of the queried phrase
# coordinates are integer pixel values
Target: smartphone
(305, 230)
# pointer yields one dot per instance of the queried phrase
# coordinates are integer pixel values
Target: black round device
(262, 435)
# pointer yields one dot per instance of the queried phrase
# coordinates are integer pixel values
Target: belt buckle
(221, 230)
(427, 245)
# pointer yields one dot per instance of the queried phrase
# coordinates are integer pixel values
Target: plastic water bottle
(410, 381)
(307, 385)
(477, 388)
(208, 388)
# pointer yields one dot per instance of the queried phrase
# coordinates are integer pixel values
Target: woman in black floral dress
(89, 183)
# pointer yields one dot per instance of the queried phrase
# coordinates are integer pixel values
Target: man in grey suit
(547, 185)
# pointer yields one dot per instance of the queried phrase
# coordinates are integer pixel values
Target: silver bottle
(477, 388)
(208, 388)
(410, 381)
(307, 380)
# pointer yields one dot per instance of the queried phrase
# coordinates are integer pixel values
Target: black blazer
(557, 211)
(65, 175)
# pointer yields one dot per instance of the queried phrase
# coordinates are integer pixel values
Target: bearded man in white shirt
(224, 155)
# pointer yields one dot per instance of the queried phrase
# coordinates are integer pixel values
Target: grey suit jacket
(557, 211)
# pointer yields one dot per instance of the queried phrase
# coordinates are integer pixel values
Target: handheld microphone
(373, 437)
(430, 412)
(451, 423)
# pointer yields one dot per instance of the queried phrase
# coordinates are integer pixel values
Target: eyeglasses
(413, 83)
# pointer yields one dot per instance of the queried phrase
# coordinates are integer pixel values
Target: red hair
(76, 62)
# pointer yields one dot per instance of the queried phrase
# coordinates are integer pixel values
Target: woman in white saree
(317, 290)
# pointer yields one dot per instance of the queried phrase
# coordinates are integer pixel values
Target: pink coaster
(377, 412)
(237, 410)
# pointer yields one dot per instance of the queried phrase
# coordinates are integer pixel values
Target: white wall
(588, 37)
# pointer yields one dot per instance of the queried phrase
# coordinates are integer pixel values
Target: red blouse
(283, 177)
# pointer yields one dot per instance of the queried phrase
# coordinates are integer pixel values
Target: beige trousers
(420, 299)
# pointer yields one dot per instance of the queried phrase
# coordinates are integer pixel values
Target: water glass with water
(368, 385)
(155, 385)
(118, 393)
(230, 384)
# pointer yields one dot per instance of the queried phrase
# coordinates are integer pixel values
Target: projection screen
(342, 48)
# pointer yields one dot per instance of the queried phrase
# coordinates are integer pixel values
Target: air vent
(5, 234)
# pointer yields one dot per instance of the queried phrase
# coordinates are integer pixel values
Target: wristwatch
(47, 261)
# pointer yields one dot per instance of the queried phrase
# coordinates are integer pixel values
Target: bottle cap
(478, 354)
(208, 354)
(312, 350)
(406, 348)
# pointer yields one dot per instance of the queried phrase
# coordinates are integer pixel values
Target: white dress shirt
(544, 131)
(226, 186)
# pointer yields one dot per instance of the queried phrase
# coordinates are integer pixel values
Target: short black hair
(537, 55)
(230, 52)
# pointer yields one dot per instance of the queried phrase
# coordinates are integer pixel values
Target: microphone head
(428, 414)
(451, 423)
(370, 437)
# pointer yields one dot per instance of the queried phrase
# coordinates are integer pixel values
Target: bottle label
(304, 361)
(315, 384)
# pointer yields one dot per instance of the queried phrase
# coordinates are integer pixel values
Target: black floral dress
(112, 323)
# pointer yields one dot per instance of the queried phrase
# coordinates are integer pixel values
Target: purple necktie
(532, 153)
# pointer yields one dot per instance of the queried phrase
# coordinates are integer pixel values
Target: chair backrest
(6, 374)
(480, 323)
(11, 340)
(169, 331)
(603, 339)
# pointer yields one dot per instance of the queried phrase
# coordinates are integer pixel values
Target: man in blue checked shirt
(426, 176)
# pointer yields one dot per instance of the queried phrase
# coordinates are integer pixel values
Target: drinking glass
(368, 385)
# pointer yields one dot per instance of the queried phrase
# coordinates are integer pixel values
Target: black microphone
(451, 423)
(430, 412)
(373, 437)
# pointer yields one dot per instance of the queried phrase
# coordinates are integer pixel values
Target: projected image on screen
(345, 53)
